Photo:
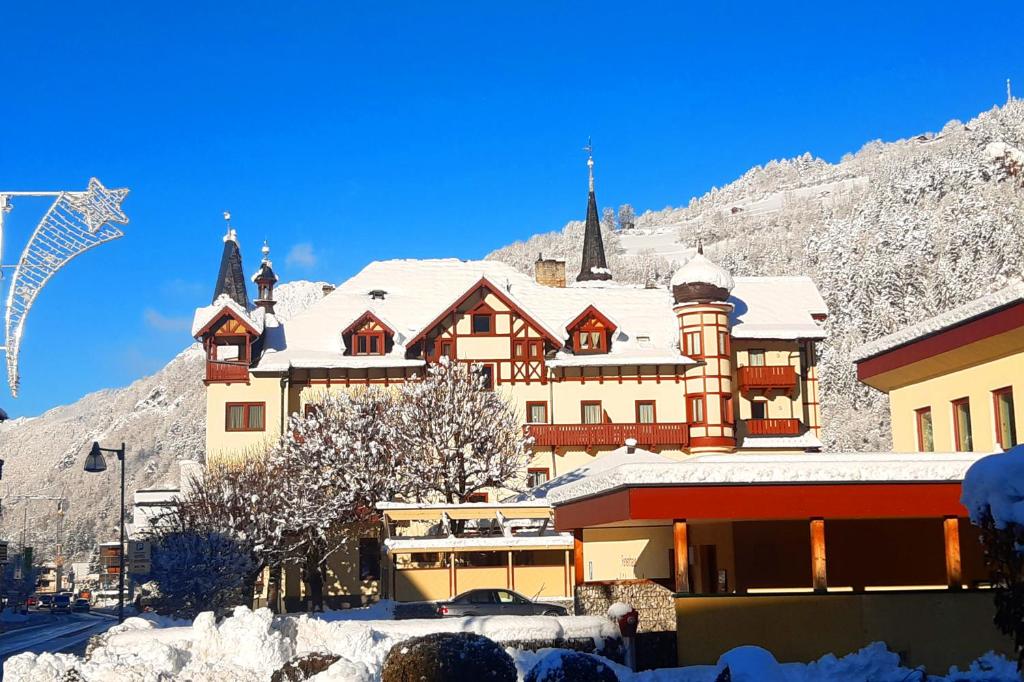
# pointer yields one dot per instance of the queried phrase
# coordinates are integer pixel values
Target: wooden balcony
(219, 371)
(589, 435)
(774, 427)
(766, 378)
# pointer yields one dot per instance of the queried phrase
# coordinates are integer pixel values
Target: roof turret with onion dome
(701, 280)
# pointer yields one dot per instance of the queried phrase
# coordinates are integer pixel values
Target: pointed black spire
(594, 266)
(231, 279)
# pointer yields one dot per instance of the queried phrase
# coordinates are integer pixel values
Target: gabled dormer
(591, 332)
(368, 335)
(227, 333)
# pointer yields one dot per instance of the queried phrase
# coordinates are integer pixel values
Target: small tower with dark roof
(265, 279)
(594, 267)
(231, 278)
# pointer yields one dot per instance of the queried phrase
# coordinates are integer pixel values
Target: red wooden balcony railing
(586, 435)
(218, 370)
(774, 427)
(767, 377)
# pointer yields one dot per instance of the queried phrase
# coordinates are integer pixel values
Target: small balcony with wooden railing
(614, 435)
(774, 427)
(223, 371)
(766, 378)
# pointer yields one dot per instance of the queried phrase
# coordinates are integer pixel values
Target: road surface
(67, 633)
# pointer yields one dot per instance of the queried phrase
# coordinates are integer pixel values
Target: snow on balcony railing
(586, 435)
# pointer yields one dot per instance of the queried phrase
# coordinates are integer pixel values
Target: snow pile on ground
(994, 486)
(252, 645)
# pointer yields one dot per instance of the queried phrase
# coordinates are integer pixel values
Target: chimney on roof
(327, 288)
(549, 272)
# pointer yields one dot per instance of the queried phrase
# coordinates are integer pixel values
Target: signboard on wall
(139, 557)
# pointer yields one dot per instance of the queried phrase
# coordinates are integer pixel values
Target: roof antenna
(589, 149)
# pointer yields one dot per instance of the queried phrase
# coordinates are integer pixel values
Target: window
(645, 412)
(1006, 428)
(591, 412)
(369, 343)
(758, 409)
(447, 349)
(756, 357)
(695, 409)
(590, 342)
(532, 349)
(369, 559)
(691, 344)
(925, 439)
(727, 414)
(244, 417)
(723, 343)
(536, 477)
(477, 497)
(536, 412)
(483, 323)
(487, 372)
(962, 425)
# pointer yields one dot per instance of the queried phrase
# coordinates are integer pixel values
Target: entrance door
(707, 566)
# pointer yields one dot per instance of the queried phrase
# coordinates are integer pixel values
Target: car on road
(44, 601)
(61, 604)
(80, 606)
(32, 601)
(495, 602)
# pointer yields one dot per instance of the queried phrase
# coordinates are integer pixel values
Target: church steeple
(593, 266)
(230, 278)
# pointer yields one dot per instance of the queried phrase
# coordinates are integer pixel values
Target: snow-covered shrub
(571, 666)
(993, 492)
(304, 667)
(199, 571)
(445, 656)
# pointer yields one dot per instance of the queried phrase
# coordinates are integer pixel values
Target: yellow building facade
(712, 364)
(952, 380)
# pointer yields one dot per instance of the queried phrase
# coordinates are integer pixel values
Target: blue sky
(423, 129)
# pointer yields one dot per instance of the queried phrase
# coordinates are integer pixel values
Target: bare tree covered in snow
(627, 217)
(463, 436)
(608, 219)
(331, 468)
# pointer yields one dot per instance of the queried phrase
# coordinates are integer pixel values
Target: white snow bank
(618, 610)
(994, 486)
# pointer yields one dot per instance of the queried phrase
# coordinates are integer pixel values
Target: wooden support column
(577, 547)
(511, 572)
(681, 550)
(819, 581)
(452, 583)
(568, 576)
(954, 573)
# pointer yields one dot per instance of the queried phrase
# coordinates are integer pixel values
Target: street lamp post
(94, 463)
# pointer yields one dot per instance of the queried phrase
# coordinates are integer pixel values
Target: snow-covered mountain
(160, 417)
(891, 234)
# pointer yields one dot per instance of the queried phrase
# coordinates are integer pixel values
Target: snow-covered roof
(702, 270)
(207, 314)
(417, 292)
(546, 540)
(775, 469)
(1008, 295)
(801, 442)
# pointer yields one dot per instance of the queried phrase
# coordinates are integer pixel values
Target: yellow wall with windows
(975, 383)
(223, 445)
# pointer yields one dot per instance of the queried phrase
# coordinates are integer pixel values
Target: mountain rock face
(892, 234)
(161, 419)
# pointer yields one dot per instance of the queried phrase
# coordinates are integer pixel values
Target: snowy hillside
(161, 418)
(894, 233)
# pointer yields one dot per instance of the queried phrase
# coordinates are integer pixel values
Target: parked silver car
(488, 602)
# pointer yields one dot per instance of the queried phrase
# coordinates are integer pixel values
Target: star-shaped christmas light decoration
(99, 205)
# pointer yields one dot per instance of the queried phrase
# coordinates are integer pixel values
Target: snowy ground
(252, 645)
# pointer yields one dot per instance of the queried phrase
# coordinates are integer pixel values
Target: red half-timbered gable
(227, 342)
(591, 332)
